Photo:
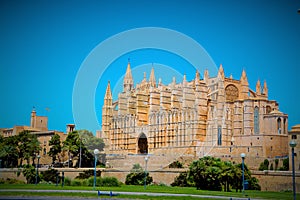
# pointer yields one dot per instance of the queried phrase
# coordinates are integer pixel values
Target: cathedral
(183, 121)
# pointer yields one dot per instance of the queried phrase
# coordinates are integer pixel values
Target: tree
(252, 181)
(55, 147)
(9, 152)
(71, 144)
(205, 173)
(176, 164)
(276, 163)
(137, 176)
(285, 165)
(28, 146)
(51, 175)
(209, 173)
(182, 180)
(264, 165)
(29, 173)
(229, 175)
(83, 142)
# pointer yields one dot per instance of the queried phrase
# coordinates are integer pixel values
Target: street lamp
(96, 152)
(145, 183)
(293, 144)
(37, 169)
(243, 171)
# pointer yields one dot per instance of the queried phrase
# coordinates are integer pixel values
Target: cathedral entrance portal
(142, 144)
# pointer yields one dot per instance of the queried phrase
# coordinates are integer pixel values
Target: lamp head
(38, 156)
(293, 143)
(243, 155)
(96, 151)
(146, 158)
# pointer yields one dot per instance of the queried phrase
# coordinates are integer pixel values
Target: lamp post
(96, 152)
(37, 169)
(80, 153)
(293, 144)
(145, 182)
(243, 171)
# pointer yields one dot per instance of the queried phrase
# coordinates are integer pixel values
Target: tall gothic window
(279, 125)
(256, 120)
(219, 135)
(284, 126)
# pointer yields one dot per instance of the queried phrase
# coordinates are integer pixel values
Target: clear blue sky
(44, 43)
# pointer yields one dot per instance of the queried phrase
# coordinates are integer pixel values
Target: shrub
(91, 181)
(29, 173)
(276, 163)
(76, 182)
(271, 166)
(11, 181)
(181, 180)
(286, 164)
(138, 178)
(110, 182)
(176, 164)
(103, 182)
(85, 182)
(264, 165)
(253, 184)
(50, 175)
(67, 181)
(137, 168)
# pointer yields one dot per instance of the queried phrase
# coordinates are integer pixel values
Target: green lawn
(128, 188)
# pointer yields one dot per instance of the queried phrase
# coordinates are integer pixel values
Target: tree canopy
(24, 146)
(209, 173)
(85, 141)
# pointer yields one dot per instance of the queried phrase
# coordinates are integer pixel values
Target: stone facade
(39, 127)
(294, 134)
(215, 116)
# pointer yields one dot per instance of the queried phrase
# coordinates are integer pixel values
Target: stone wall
(268, 180)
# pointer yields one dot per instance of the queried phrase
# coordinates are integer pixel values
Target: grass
(129, 188)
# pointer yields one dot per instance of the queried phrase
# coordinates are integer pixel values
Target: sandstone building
(215, 116)
(39, 127)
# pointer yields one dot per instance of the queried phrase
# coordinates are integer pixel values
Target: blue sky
(44, 43)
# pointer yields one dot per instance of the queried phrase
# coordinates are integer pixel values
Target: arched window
(279, 125)
(268, 109)
(284, 126)
(256, 120)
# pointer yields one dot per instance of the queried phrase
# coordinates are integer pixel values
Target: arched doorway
(142, 144)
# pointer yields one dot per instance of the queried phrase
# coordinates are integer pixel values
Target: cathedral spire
(128, 81)
(244, 77)
(258, 88)
(244, 85)
(145, 77)
(197, 77)
(184, 80)
(265, 89)
(206, 75)
(221, 72)
(152, 78)
(108, 95)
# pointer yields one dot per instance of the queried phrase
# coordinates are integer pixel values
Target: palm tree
(28, 146)
(72, 145)
(55, 147)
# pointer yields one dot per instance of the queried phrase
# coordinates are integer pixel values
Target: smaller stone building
(39, 127)
(294, 134)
